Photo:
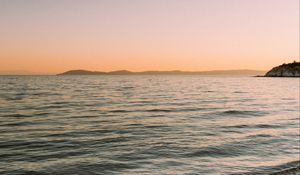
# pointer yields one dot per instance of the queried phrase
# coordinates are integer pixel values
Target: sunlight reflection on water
(147, 124)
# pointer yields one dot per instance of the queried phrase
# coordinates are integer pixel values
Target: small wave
(16, 124)
(59, 102)
(17, 144)
(94, 168)
(289, 171)
(242, 113)
(24, 172)
(17, 115)
(51, 106)
(208, 91)
(177, 110)
(61, 155)
(164, 127)
(114, 140)
(159, 110)
(239, 92)
(265, 126)
(226, 150)
(215, 152)
(120, 111)
(84, 116)
(260, 136)
(290, 168)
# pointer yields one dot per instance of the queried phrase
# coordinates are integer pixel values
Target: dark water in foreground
(148, 125)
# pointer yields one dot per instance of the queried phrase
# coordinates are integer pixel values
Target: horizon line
(25, 72)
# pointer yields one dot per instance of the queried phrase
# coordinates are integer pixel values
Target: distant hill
(174, 72)
(82, 72)
(285, 70)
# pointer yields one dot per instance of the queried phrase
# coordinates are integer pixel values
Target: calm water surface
(148, 125)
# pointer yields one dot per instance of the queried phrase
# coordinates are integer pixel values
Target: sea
(149, 124)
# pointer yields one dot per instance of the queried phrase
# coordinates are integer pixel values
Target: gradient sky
(59, 35)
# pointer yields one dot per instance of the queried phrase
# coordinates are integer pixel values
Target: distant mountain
(174, 72)
(82, 72)
(120, 72)
(285, 70)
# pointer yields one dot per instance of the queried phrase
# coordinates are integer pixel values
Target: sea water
(150, 124)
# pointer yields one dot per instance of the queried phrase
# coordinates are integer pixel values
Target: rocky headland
(285, 70)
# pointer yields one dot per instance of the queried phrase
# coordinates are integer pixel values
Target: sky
(192, 35)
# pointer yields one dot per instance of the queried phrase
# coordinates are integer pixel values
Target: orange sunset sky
(52, 36)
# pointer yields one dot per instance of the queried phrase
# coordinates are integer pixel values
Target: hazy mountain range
(174, 72)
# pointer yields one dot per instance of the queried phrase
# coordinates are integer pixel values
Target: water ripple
(148, 125)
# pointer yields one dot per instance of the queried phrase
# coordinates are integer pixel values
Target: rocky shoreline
(285, 70)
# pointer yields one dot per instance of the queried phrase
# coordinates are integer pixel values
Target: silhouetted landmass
(83, 72)
(174, 72)
(285, 70)
(120, 72)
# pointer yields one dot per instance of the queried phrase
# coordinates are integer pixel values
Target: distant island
(285, 70)
(174, 72)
